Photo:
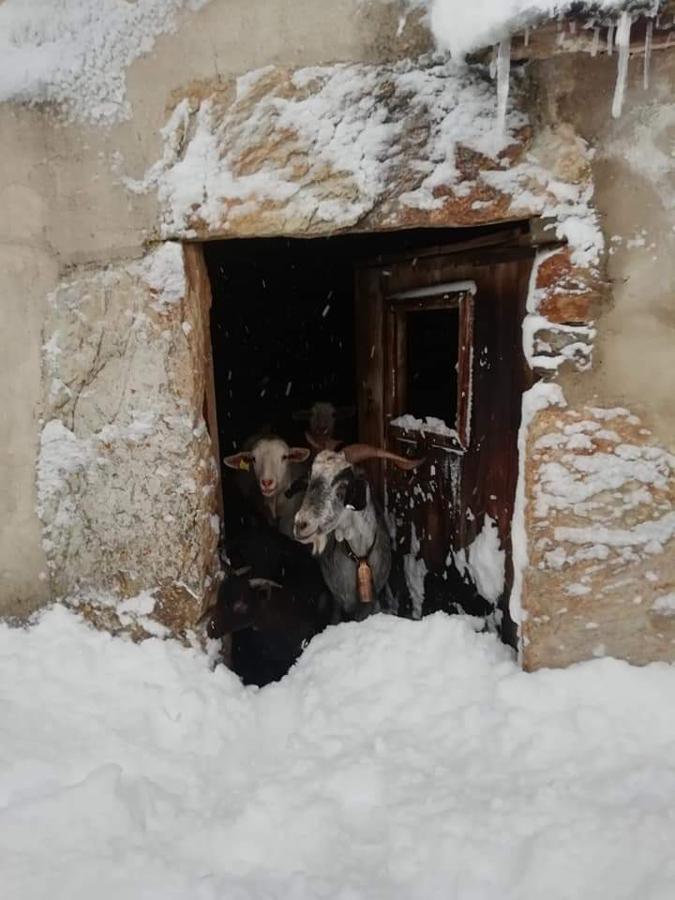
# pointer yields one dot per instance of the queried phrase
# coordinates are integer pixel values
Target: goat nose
(300, 526)
(267, 482)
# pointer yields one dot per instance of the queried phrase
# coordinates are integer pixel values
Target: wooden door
(440, 375)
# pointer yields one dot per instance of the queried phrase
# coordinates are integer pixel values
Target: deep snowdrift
(397, 760)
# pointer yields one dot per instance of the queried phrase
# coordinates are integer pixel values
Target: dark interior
(283, 332)
(283, 336)
(432, 373)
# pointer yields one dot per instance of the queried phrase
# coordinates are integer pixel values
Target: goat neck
(358, 528)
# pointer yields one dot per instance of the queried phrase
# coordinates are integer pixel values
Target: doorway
(419, 332)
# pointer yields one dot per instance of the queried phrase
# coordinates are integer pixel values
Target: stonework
(126, 475)
(329, 148)
(601, 540)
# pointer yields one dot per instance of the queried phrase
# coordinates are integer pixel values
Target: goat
(278, 471)
(338, 516)
(321, 418)
(266, 553)
(270, 623)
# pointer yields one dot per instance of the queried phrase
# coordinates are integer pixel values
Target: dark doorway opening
(295, 321)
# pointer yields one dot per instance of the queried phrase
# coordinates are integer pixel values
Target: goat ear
(239, 461)
(356, 494)
(298, 454)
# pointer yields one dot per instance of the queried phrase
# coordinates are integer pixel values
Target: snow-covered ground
(397, 760)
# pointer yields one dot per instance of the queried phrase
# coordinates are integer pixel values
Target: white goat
(276, 467)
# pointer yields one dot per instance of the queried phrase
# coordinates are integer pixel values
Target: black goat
(273, 609)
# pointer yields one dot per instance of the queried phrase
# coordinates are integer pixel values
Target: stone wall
(127, 478)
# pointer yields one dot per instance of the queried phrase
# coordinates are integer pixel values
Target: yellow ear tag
(243, 464)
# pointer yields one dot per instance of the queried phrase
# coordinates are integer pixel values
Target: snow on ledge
(428, 425)
(390, 136)
(462, 28)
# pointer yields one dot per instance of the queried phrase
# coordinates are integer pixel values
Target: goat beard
(318, 544)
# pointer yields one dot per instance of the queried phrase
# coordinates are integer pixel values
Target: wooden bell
(364, 581)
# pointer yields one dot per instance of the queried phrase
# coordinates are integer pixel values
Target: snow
(163, 270)
(665, 604)
(649, 36)
(462, 28)
(415, 571)
(486, 561)
(337, 117)
(429, 424)
(578, 349)
(503, 81)
(483, 561)
(651, 535)
(62, 454)
(575, 479)
(623, 44)
(538, 397)
(76, 52)
(397, 760)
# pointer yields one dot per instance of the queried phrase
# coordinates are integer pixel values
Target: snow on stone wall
(125, 473)
(601, 538)
(319, 149)
(409, 144)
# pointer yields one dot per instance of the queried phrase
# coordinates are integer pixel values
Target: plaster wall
(634, 176)
(596, 584)
(64, 205)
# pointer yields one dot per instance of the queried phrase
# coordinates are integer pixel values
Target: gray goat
(338, 516)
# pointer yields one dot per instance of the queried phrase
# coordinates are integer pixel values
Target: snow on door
(440, 375)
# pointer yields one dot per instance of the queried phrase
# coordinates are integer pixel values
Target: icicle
(493, 63)
(573, 27)
(595, 46)
(503, 78)
(610, 40)
(623, 45)
(648, 54)
(526, 38)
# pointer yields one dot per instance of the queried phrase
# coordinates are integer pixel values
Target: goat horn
(259, 583)
(356, 453)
